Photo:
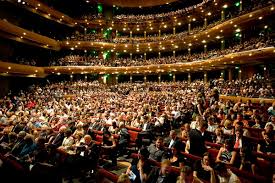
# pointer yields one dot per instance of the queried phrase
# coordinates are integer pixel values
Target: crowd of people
(41, 124)
(74, 60)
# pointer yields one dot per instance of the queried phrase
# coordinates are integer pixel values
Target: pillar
(189, 77)
(222, 15)
(116, 81)
(131, 56)
(174, 30)
(159, 33)
(131, 78)
(230, 76)
(102, 32)
(205, 77)
(85, 31)
(159, 54)
(205, 22)
(241, 6)
(222, 74)
(174, 53)
(145, 79)
(205, 48)
(159, 78)
(144, 56)
(144, 34)
(174, 77)
(116, 33)
(131, 34)
(240, 74)
(222, 44)
(85, 77)
(189, 51)
(189, 27)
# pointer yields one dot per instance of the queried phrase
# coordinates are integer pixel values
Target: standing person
(196, 136)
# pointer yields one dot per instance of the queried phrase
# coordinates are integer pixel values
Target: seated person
(68, 141)
(267, 145)
(219, 136)
(226, 153)
(162, 174)
(248, 160)
(186, 175)
(140, 168)
(203, 170)
(157, 151)
(123, 178)
(176, 158)
(225, 175)
(185, 131)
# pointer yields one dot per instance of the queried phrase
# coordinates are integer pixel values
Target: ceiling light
(179, 23)
(9, 68)
(260, 18)
(203, 41)
(250, 15)
(218, 37)
(209, 13)
(238, 30)
(265, 26)
(225, 6)
(194, 19)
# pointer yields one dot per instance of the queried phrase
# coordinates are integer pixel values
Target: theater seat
(106, 174)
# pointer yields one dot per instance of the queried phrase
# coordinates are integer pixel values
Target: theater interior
(137, 91)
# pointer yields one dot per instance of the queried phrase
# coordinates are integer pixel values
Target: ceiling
(136, 3)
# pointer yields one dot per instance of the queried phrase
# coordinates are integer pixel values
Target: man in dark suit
(197, 139)
(172, 139)
(239, 140)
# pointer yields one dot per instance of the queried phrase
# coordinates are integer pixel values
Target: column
(174, 53)
(144, 56)
(85, 77)
(174, 77)
(145, 34)
(71, 77)
(230, 76)
(145, 79)
(131, 34)
(102, 32)
(222, 15)
(116, 79)
(189, 77)
(85, 31)
(205, 77)
(189, 27)
(116, 33)
(241, 6)
(159, 78)
(159, 33)
(189, 51)
(159, 54)
(222, 74)
(240, 74)
(205, 22)
(174, 30)
(222, 44)
(131, 78)
(131, 56)
(205, 48)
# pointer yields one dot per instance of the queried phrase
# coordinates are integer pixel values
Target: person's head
(28, 139)
(165, 167)
(239, 132)
(203, 126)
(79, 126)
(228, 145)
(239, 117)
(239, 125)
(123, 178)
(221, 169)
(269, 128)
(21, 135)
(175, 148)
(68, 133)
(159, 142)
(186, 175)
(187, 127)
(206, 159)
(87, 139)
(273, 119)
(218, 132)
(143, 153)
(211, 120)
(173, 134)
